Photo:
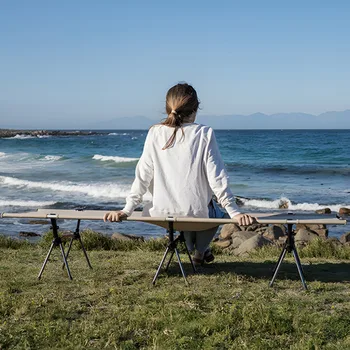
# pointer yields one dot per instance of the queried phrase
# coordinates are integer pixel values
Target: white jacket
(183, 178)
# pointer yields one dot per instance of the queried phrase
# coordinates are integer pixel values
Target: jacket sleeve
(218, 177)
(143, 178)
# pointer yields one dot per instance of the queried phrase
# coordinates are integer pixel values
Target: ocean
(307, 169)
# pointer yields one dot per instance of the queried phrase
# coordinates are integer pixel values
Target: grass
(228, 305)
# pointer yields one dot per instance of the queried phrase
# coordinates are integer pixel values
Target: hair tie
(173, 112)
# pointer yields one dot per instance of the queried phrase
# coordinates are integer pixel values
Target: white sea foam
(21, 137)
(9, 203)
(42, 136)
(52, 158)
(2, 154)
(97, 190)
(114, 158)
(276, 204)
(117, 134)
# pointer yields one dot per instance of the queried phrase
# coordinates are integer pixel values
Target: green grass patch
(97, 241)
(9, 242)
(228, 304)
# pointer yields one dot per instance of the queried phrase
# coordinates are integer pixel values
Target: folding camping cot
(180, 224)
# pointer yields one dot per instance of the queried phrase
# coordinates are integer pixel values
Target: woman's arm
(219, 181)
(143, 178)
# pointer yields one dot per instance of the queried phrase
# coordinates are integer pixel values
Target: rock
(283, 204)
(28, 234)
(253, 227)
(281, 240)
(300, 244)
(241, 236)
(311, 227)
(334, 240)
(345, 237)
(305, 235)
(250, 244)
(323, 211)
(321, 232)
(274, 232)
(39, 222)
(227, 230)
(223, 244)
(319, 229)
(283, 228)
(14, 132)
(126, 237)
(344, 211)
(261, 230)
(66, 235)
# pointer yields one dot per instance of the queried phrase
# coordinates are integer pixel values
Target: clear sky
(82, 61)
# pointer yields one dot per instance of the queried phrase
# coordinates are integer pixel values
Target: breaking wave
(21, 137)
(115, 159)
(285, 203)
(52, 158)
(96, 190)
(10, 203)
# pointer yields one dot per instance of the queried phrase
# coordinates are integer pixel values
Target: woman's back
(180, 185)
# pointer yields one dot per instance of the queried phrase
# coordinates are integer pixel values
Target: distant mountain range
(328, 120)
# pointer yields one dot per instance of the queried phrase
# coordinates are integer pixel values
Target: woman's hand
(245, 219)
(114, 216)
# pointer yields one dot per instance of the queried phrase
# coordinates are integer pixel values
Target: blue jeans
(200, 240)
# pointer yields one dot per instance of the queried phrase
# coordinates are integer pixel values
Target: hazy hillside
(328, 120)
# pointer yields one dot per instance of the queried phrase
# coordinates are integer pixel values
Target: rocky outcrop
(228, 230)
(345, 238)
(240, 240)
(41, 133)
(344, 211)
(323, 211)
(126, 237)
(250, 244)
(39, 222)
(28, 234)
(320, 230)
(305, 235)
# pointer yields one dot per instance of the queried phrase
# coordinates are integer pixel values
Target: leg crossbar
(76, 236)
(172, 249)
(57, 242)
(289, 246)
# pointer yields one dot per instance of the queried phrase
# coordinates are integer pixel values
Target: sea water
(305, 169)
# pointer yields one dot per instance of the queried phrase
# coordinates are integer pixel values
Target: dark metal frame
(289, 246)
(57, 242)
(172, 249)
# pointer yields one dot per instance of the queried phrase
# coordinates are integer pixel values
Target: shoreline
(6, 133)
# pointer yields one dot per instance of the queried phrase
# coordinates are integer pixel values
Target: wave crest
(115, 159)
(24, 203)
(286, 203)
(52, 158)
(96, 190)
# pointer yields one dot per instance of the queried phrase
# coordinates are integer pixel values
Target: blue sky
(84, 61)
